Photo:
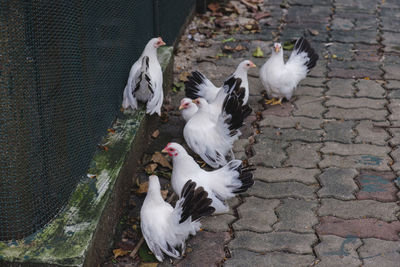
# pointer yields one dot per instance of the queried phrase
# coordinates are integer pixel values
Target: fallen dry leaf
(143, 187)
(148, 264)
(151, 168)
(313, 32)
(120, 252)
(261, 15)
(155, 134)
(111, 130)
(213, 7)
(249, 5)
(227, 48)
(183, 76)
(160, 159)
(240, 48)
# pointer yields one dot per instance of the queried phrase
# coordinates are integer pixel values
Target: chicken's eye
(248, 65)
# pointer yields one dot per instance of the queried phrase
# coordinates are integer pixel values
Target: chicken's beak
(181, 107)
(164, 150)
(252, 65)
(277, 49)
(162, 43)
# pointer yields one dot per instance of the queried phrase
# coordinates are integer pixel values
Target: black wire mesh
(63, 67)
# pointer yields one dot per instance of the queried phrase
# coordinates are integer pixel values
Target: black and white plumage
(280, 79)
(199, 86)
(211, 134)
(221, 184)
(165, 228)
(145, 80)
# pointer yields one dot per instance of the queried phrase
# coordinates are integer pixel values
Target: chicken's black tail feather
(246, 177)
(233, 105)
(302, 45)
(192, 84)
(196, 203)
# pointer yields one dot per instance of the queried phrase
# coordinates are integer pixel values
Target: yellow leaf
(334, 56)
(366, 78)
(159, 158)
(148, 264)
(143, 187)
(120, 252)
(150, 168)
(258, 52)
(183, 76)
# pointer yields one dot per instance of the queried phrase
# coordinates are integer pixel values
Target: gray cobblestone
(309, 106)
(338, 183)
(269, 153)
(264, 209)
(340, 87)
(309, 91)
(287, 174)
(367, 133)
(287, 135)
(359, 161)
(218, 223)
(354, 209)
(394, 108)
(356, 114)
(369, 88)
(354, 149)
(382, 253)
(337, 251)
(282, 190)
(276, 241)
(290, 122)
(241, 257)
(355, 102)
(296, 214)
(303, 155)
(339, 131)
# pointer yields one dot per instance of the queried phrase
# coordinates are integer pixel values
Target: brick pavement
(326, 191)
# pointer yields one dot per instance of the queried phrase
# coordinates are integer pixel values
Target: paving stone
(354, 66)
(370, 88)
(290, 122)
(390, 41)
(283, 110)
(368, 37)
(309, 106)
(283, 241)
(355, 102)
(287, 174)
(391, 71)
(240, 145)
(374, 74)
(395, 140)
(342, 24)
(340, 87)
(394, 94)
(394, 107)
(337, 251)
(241, 257)
(207, 248)
(303, 155)
(269, 153)
(363, 228)
(343, 51)
(356, 114)
(375, 252)
(282, 190)
(315, 82)
(354, 149)
(367, 133)
(286, 135)
(339, 131)
(256, 214)
(218, 223)
(318, 71)
(354, 209)
(393, 84)
(296, 215)
(396, 157)
(367, 53)
(304, 90)
(358, 162)
(338, 183)
(377, 186)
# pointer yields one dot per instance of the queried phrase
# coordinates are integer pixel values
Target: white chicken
(221, 184)
(211, 135)
(165, 228)
(145, 80)
(199, 86)
(280, 79)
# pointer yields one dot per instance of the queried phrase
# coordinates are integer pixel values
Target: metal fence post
(201, 6)
(156, 20)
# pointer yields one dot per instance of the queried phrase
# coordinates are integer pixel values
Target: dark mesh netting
(63, 68)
